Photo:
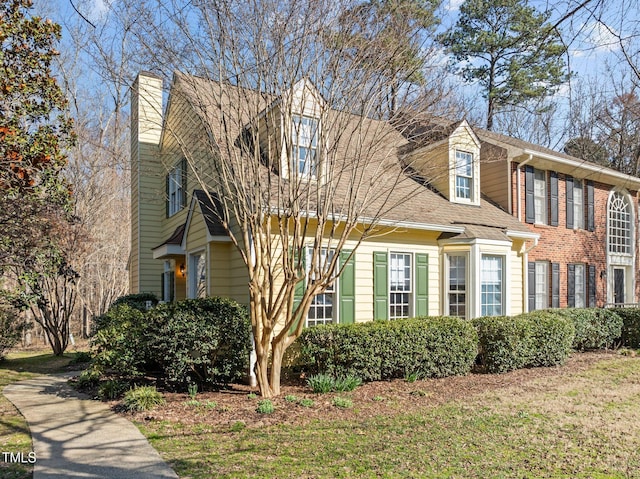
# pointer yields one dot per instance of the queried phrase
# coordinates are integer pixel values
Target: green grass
(583, 425)
(14, 433)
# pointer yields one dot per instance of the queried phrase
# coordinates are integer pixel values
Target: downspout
(519, 188)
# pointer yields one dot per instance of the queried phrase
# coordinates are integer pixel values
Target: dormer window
(305, 145)
(464, 175)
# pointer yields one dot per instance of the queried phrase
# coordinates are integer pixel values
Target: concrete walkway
(74, 436)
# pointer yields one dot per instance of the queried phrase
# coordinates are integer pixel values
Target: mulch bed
(233, 406)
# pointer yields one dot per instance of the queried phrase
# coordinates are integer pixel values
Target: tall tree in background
(389, 36)
(510, 49)
(35, 134)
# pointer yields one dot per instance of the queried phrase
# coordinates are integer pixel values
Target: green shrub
(552, 335)
(119, 342)
(142, 398)
(595, 328)
(379, 350)
(346, 383)
(112, 389)
(265, 406)
(89, 378)
(205, 341)
(505, 343)
(137, 301)
(630, 336)
(11, 328)
(81, 357)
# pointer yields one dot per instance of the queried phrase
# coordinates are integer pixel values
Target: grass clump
(344, 403)
(265, 406)
(112, 389)
(325, 383)
(142, 398)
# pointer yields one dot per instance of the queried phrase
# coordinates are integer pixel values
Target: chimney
(147, 193)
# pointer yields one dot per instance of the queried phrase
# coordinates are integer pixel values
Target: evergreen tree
(510, 49)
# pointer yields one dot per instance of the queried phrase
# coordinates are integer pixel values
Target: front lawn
(579, 420)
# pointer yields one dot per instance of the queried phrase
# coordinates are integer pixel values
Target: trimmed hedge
(202, 341)
(431, 347)
(630, 336)
(595, 328)
(539, 338)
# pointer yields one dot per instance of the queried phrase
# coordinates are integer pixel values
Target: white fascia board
(523, 235)
(603, 170)
(167, 250)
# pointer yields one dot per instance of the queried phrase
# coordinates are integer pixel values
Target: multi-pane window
(464, 175)
(322, 309)
(540, 196)
(457, 285)
(579, 282)
(542, 285)
(578, 204)
(305, 145)
(491, 285)
(175, 191)
(619, 234)
(399, 285)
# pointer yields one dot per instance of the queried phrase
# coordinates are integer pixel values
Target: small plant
(346, 383)
(193, 403)
(321, 383)
(306, 402)
(142, 398)
(291, 398)
(192, 390)
(411, 378)
(344, 403)
(210, 404)
(225, 408)
(378, 398)
(89, 378)
(252, 396)
(265, 407)
(238, 426)
(111, 389)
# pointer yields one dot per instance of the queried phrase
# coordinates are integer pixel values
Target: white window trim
(578, 215)
(290, 162)
(547, 284)
(544, 213)
(175, 192)
(191, 281)
(412, 287)
(622, 260)
(583, 290)
(335, 312)
(471, 178)
(468, 285)
(504, 281)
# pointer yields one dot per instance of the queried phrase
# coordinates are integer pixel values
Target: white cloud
(453, 5)
(600, 38)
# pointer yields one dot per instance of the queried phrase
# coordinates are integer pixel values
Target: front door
(618, 285)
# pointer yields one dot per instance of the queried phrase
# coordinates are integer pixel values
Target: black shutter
(590, 207)
(592, 286)
(183, 172)
(172, 286)
(166, 194)
(529, 181)
(569, 202)
(571, 285)
(555, 285)
(553, 196)
(532, 285)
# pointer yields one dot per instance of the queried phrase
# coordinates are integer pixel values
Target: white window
(540, 196)
(167, 282)
(579, 283)
(457, 293)
(400, 286)
(323, 306)
(578, 204)
(464, 175)
(175, 190)
(491, 285)
(619, 231)
(305, 145)
(542, 285)
(197, 275)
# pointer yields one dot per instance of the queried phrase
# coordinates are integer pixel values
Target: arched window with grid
(619, 224)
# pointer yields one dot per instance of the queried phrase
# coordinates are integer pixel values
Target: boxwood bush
(594, 328)
(423, 347)
(505, 343)
(204, 341)
(552, 336)
(630, 336)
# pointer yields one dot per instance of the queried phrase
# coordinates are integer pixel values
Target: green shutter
(422, 284)
(380, 285)
(300, 286)
(347, 286)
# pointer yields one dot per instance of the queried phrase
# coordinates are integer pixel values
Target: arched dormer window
(620, 224)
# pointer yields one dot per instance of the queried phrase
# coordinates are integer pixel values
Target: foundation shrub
(137, 301)
(552, 336)
(203, 341)
(630, 336)
(505, 343)
(595, 328)
(379, 350)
